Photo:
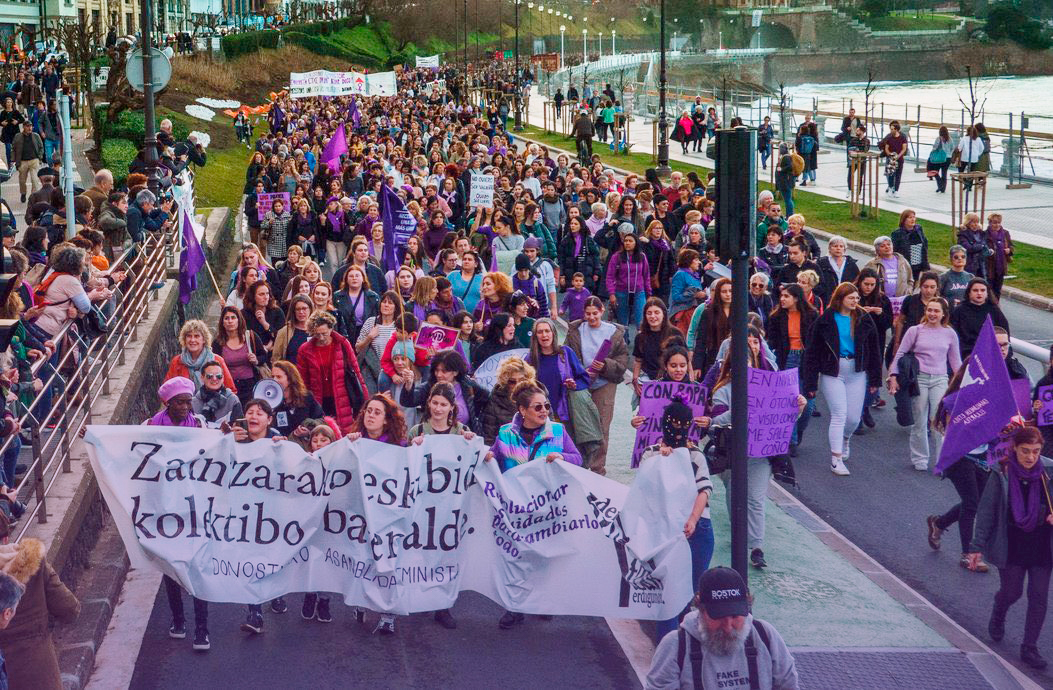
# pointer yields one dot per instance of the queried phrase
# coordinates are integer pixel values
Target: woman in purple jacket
(628, 281)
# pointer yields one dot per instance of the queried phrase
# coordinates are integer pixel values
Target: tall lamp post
(663, 124)
(613, 51)
(599, 43)
(584, 46)
(151, 154)
(518, 126)
(562, 31)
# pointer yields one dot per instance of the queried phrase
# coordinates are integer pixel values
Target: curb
(1014, 294)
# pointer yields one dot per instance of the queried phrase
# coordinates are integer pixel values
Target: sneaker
(323, 610)
(921, 466)
(509, 619)
(358, 614)
(253, 624)
(837, 466)
(878, 403)
(23, 198)
(310, 604)
(201, 641)
(935, 532)
(817, 413)
(868, 418)
(177, 631)
(981, 567)
(386, 626)
(757, 559)
(445, 619)
(888, 190)
(1030, 656)
(279, 606)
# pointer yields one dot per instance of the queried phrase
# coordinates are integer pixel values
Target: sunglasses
(214, 377)
(538, 407)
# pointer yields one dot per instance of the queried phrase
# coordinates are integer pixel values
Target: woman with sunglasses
(213, 401)
(531, 435)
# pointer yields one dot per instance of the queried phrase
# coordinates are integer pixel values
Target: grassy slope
(909, 22)
(220, 182)
(1030, 264)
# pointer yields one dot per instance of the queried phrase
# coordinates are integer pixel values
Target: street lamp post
(599, 43)
(518, 126)
(613, 51)
(663, 124)
(701, 30)
(584, 46)
(151, 149)
(562, 30)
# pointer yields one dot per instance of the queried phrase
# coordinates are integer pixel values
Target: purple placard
(435, 338)
(264, 202)
(1045, 414)
(897, 304)
(654, 396)
(772, 411)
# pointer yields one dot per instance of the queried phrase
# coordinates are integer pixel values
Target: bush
(117, 155)
(1006, 21)
(131, 125)
(249, 42)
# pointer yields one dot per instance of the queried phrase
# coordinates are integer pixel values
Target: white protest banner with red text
(395, 529)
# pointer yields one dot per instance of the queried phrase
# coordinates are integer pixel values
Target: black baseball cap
(723, 593)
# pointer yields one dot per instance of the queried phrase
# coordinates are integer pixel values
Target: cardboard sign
(435, 338)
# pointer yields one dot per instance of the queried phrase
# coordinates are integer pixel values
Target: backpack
(807, 144)
(696, 655)
(796, 163)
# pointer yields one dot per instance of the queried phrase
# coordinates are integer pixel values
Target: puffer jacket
(510, 449)
(500, 411)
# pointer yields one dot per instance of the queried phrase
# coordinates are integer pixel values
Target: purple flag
(983, 405)
(191, 259)
(336, 147)
(399, 225)
(355, 117)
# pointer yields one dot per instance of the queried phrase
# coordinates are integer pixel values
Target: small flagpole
(214, 283)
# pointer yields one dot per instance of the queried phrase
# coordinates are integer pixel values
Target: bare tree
(868, 91)
(978, 91)
(84, 42)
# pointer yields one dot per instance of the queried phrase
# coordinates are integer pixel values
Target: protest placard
(482, 191)
(486, 374)
(654, 396)
(395, 529)
(428, 61)
(264, 202)
(1045, 415)
(772, 411)
(897, 304)
(435, 338)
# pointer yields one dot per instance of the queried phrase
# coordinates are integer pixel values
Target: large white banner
(396, 529)
(428, 61)
(322, 82)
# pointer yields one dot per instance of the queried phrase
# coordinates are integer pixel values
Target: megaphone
(270, 391)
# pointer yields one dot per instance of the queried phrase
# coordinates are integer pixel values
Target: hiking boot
(201, 641)
(509, 619)
(279, 606)
(178, 630)
(310, 604)
(445, 619)
(757, 559)
(935, 532)
(324, 616)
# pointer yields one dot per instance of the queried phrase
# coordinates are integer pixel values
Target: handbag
(717, 450)
(355, 394)
(938, 156)
(656, 280)
(262, 370)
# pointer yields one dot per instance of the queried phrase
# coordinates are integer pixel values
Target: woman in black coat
(968, 318)
(579, 253)
(843, 360)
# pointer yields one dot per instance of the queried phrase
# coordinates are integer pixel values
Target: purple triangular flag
(336, 147)
(191, 259)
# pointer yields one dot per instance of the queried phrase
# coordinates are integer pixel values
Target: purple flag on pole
(399, 225)
(336, 147)
(983, 405)
(355, 117)
(191, 259)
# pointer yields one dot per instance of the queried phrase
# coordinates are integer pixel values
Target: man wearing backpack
(807, 145)
(722, 642)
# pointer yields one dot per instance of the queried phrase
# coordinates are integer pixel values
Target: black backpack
(696, 655)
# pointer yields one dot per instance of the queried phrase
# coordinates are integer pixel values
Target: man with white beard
(721, 645)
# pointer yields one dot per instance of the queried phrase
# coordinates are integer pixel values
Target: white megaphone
(269, 390)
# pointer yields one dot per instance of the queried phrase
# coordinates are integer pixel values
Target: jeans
(808, 175)
(894, 178)
(49, 148)
(787, 198)
(10, 461)
(844, 395)
(969, 481)
(793, 361)
(623, 315)
(758, 473)
(765, 154)
(941, 179)
(931, 388)
(701, 543)
(175, 605)
(1012, 580)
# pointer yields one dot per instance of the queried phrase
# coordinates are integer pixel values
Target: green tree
(1007, 21)
(876, 8)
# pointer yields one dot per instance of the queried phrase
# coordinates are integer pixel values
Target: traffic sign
(161, 66)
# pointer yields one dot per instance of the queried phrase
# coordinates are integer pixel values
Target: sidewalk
(1025, 211)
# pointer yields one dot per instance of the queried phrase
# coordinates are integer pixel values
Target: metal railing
(80, 373)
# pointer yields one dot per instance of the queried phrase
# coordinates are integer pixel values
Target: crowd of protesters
(595, 279)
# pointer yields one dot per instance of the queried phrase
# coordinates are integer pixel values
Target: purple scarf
(998, 241)
(1026, 510)
(162, 419)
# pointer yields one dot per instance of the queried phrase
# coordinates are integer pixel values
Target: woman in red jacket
(330, 370)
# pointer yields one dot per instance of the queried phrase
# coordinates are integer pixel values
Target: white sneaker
(921, 466)
(386, 626)
(837, 466)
